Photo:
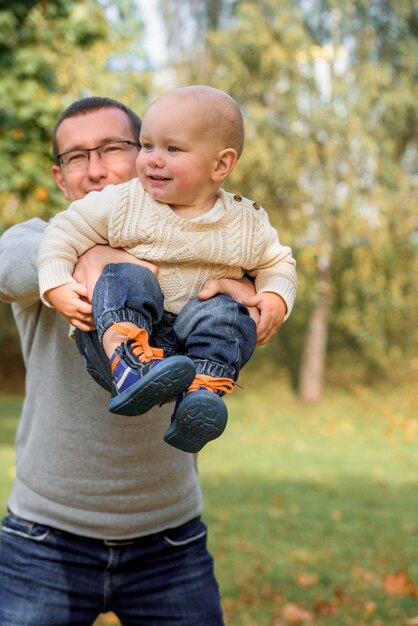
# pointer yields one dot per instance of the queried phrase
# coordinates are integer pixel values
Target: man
(104, 515)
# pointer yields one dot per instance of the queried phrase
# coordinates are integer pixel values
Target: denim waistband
(116, 543)
(122, 543)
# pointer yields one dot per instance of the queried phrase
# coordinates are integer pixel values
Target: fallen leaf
(246, 546)
(341, 596)
(306, 580)
(369, 609)
(322, 607)
(295, 614)
(247, 598)
(336, 515)
(363, 574)
(412, 621)
(267, 592)
(398, 584)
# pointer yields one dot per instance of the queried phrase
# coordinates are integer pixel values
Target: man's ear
(225, 163)
(60, 180)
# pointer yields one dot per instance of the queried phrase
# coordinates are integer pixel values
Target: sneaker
(200, 414)
(142, 378)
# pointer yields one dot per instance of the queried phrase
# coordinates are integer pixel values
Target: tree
(331, 119)
(381, 46)
(193, 18)
(55, 53)
(52, 53)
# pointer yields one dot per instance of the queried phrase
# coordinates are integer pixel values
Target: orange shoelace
(141, 348)
(210, 383)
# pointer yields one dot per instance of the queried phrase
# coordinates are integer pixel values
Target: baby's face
(178, 154)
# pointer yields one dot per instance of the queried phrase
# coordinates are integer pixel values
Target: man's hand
(90, 265)
(69, 300)
(239, 290)
(272, 310)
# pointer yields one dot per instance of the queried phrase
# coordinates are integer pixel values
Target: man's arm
(268, 310)
(90, 265)
(272, 311)
(240, 290)
(19, 247)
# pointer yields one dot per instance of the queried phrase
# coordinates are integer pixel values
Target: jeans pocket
(18, 527)
(186, 534)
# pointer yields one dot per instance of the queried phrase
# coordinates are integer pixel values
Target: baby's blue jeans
(217, 334)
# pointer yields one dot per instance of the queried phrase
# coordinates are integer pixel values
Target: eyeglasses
(109, 152)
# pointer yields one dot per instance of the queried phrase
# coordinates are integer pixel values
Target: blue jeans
(217, 334)
(53, 578)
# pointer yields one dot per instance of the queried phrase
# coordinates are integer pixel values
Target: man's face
(89, 131)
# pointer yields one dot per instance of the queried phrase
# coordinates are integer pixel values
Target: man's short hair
(87, 105)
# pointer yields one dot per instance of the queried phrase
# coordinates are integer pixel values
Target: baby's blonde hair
(220, 112)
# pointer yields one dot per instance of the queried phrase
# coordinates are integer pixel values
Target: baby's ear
(225, 163)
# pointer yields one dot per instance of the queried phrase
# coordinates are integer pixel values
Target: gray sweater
(80, 468)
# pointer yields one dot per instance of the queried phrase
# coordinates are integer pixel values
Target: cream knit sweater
(187, 253)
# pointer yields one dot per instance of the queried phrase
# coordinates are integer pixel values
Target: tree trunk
(312, 369)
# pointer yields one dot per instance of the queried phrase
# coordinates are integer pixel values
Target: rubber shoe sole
(160, 384)
(200, 418)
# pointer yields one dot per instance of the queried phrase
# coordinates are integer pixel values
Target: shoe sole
(166, 380)
(197, 422)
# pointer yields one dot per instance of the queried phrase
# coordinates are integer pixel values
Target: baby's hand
(68, 300)
(272, 313)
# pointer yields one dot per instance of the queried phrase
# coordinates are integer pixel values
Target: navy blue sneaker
(142, 378)
(200, 414)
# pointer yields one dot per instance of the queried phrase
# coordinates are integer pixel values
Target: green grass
(9, 413)
(310, 508)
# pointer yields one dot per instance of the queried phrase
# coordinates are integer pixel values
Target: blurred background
(329, 93)
(311, 493)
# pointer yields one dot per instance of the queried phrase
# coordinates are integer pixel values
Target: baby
(161, 340)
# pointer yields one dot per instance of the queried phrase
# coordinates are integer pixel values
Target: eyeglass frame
(129, 142)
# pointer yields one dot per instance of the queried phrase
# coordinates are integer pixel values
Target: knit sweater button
(237, 198)
(256, 205)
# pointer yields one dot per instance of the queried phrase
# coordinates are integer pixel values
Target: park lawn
(9, 413)
(312, 510)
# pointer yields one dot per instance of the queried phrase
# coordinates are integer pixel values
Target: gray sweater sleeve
(19, 247)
